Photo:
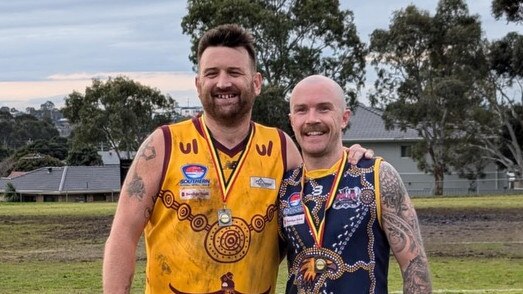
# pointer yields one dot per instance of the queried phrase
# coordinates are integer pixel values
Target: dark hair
(228, 35)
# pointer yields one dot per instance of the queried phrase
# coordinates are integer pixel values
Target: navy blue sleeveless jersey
(354, 254)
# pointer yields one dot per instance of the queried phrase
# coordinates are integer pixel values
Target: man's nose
(312, 117)
(223, 81)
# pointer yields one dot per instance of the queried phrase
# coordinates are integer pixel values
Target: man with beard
(341, 220)
(205, 190)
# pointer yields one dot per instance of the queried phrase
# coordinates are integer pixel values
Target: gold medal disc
(320, 264)
(224, 217)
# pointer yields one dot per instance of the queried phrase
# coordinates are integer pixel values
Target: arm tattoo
(147, 213)
(417, 278)
(148, 151)
(402, 229)
(393, 191)
(136, 187)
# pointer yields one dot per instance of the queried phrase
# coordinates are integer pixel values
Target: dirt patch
(453, 233)
(54, 238)
(472, 232)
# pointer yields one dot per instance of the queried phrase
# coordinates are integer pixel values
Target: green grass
(85, 277)
(56, 209)
(43, 250)
(479, 274)
(57, 277)
(469, 202)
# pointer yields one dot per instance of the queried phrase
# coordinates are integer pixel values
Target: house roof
(67, 180)
(110, 157)
(15, 174)
(367, 125)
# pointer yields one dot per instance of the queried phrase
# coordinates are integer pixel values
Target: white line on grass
(479, 242)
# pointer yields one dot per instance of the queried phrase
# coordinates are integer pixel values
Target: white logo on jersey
(317, 191)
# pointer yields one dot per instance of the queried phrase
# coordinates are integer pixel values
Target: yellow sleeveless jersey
(191, 250)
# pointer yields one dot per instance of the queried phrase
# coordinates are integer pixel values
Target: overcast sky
(48, 48)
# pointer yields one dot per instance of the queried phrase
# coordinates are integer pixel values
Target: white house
(368, 129)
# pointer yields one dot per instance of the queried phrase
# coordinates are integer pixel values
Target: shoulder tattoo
(147, 151)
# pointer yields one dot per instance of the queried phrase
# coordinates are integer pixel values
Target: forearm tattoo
(402, 229)
(417, 277)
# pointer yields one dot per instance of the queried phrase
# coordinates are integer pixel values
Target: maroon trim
(236, 149)
(230, 152)
(167, 152)
(198, 125)
(283, 140)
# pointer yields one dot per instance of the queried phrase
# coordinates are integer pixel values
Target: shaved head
(334, 88)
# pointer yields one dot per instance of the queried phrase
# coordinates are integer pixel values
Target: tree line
(118, 114)
(437, 74)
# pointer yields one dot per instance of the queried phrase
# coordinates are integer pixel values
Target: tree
(512, 9)
(429, 71)
(34, 161)
(36, 154)
(30, 110)
(84, 155)
(6, 128)
(4, 152)
(293, 39)
(119, 111)
(56, 147)
(6, 166)
(10, 192)
(46, 110)
(17, 131)
(501, 115)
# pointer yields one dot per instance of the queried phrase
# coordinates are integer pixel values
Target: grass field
(474, 244)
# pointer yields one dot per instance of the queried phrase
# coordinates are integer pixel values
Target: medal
(224, 214)
(317, 233)
(320, 264)
(224, 217)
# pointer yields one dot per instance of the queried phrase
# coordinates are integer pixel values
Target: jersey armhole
(377, 184)
(167, 152)
(283, 141)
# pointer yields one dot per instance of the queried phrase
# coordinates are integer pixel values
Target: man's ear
(346, 118)
(257, 80)
(291, 120)
(197, 84)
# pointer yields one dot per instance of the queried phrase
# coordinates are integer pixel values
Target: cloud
(43, 37)
(22, 94)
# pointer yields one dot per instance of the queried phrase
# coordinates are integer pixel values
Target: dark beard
(241, 111)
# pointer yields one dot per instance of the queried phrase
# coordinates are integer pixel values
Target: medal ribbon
(225, 186)
(317, 234)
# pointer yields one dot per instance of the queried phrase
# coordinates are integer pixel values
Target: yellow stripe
(377, 190)
(317, 235)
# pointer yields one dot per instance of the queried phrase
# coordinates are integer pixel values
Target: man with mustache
(340, 219)
(205, 190)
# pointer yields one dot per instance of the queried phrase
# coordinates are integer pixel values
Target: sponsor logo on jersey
(264, 183)
(295, 199)
(347, 198)
(194, 175)
(194, 171)
(293, 220)
(188, 194)
(294, 205)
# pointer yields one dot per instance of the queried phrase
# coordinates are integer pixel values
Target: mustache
(317, 127)
(229, 90)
